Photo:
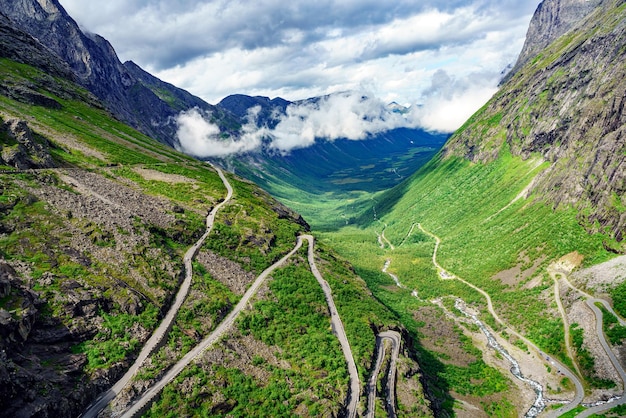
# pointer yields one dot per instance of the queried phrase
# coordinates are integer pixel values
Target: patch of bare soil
(111, 202)
(602, 277)
(226, 271)
(534, 282)
(522, 271)
(149, 174)
(465, 408)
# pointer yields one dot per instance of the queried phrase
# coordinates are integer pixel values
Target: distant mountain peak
(552, 19)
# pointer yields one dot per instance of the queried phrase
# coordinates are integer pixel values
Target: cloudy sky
(444, 55)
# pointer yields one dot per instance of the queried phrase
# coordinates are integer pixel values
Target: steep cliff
(552, 19)
(566, 105)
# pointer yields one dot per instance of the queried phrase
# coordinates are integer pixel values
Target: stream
(539, 404)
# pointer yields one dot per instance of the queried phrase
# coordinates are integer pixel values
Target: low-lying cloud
(449, 101)
(347, 115)
(351, 115)
(201, 138)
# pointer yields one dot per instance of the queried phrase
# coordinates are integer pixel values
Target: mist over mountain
(128, 92)
(444, 267)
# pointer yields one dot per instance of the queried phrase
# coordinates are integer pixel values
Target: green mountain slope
(567, 106)
(322, 181)
(95, 219)
(533, 182)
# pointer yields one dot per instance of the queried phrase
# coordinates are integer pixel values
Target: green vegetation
(473, 208)
(618, 294)
(573, 412)
(113, 343)
(292, 321)
(500, 409)
(613, 330)
(249, 230)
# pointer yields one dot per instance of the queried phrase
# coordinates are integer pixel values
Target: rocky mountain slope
(95, 219)
(128, 92)
(551, 20)
(567, 105)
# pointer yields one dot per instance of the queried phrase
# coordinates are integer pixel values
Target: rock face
(23, 149)
(551, 20)
(93, 62)
(566, 105)
(19, 46)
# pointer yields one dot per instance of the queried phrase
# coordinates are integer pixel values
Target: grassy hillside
(91, 249)
(323, 182)
(532, 177)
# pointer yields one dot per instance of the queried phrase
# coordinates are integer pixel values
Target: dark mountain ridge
(128, 92)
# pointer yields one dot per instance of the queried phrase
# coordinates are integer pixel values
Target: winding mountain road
(591, 303)
(394, 338)
(355, 384)
(579, 390)
(147, 397)
(353, 398)
(166, 324)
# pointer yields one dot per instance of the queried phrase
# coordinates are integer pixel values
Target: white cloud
(349, 115)
(201, 138)
(300, 49)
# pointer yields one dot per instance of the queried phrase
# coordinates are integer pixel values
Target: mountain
(99, 225)
(473, 251)
(551, 20)
(565, 105)
(128, 92)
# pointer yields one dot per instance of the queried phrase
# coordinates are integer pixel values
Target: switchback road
(355, 384)
(147, 397)
(161, 332)
(353, 398)
(394, 338)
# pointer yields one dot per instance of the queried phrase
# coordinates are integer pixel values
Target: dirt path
(161, 332)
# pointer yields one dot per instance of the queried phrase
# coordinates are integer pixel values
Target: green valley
(403, 273)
